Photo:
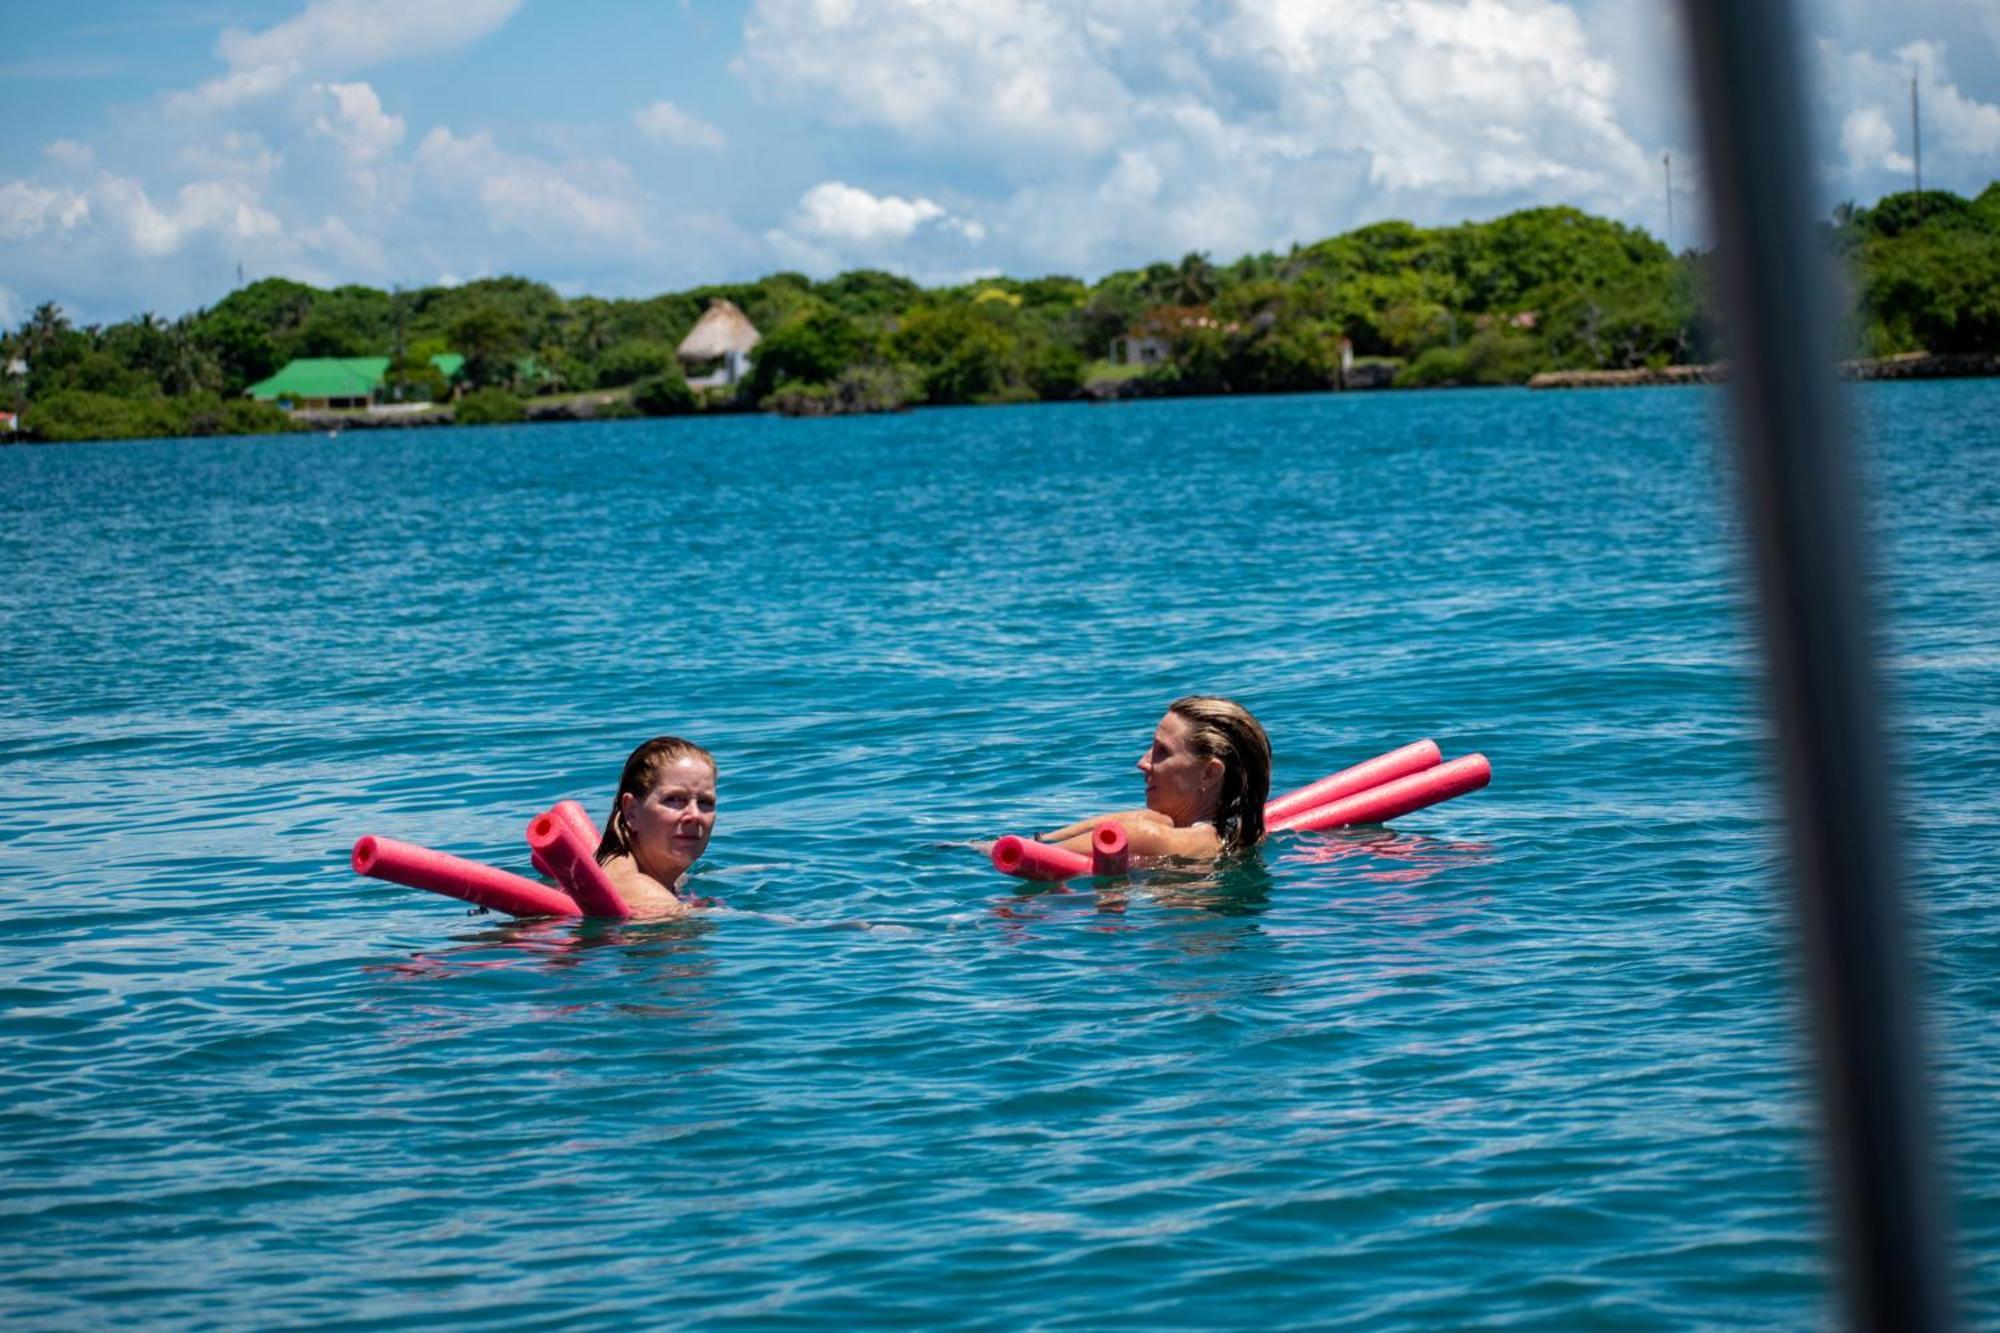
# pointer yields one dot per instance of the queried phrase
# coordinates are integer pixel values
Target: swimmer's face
(1179, 783)
(671, 823)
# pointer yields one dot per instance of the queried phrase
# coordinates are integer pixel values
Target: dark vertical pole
(1917, 145)
(1801, 501)
(1667, 166)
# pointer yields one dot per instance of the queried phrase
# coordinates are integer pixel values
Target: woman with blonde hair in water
(660, 824)
(1208, 773)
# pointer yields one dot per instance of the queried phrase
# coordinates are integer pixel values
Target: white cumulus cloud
(663, 122)
(837, 225)
(1023, 73)
(331, 37)
(356, 121)
(836, 211)
(1126, 128)
(336, 36)
(70, 154)
(227, 208)
(233, 90)
(28, 209)
(232, 153)
(566, 203)
(1869, 141)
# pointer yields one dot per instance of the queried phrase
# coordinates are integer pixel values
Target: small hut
(723, 334)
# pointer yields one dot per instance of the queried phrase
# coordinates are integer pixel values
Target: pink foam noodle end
(1110, 850)
(578, 817)
(438, 872)
(572, 857)
(1363, 777)
(1394, 799)
(1024, 858)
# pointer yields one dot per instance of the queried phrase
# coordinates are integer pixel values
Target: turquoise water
(1532, 1059)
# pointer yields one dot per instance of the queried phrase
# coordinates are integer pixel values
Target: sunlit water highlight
(1532, 1058)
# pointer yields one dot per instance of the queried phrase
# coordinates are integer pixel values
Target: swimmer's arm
(1129, 818)
(1149, 833)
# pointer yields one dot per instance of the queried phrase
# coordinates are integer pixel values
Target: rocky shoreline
(586, 408)
(1906, 366)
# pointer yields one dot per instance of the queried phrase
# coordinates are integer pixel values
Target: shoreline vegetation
(1546, 297)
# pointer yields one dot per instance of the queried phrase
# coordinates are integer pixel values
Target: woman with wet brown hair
(660, 824)
(1208, 774)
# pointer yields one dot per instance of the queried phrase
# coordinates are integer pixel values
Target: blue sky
(627, 147)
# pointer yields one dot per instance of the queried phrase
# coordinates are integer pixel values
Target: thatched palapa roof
(722, 329)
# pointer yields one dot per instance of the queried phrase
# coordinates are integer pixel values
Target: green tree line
(1479, 303)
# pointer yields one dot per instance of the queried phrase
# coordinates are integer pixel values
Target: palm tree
(1194, 280)
(42, 330)
(590, 327)
(185, 365)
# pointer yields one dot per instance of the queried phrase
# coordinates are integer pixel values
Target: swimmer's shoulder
(1163, 838)
(646, 896)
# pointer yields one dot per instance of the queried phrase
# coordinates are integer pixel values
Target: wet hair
(642, 770)
(1223, 729)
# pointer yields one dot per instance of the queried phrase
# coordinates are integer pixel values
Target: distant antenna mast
(1667, 163)
(239, 273)
(1917, 142)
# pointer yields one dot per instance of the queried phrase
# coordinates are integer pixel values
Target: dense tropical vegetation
(1480, 303)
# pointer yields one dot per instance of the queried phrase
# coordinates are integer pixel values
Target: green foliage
(1111, 310)
(278, 306)
(961, 353)
(1287, 356)
(414, 381)
(633, 360)
(813, 347)
(1477, 303)
(868, 292)
(1928, 272)
(1987, 207)
(1053, 293)
(533, 311)
(1940, 294)
(84, 414)
(1055, 370)
(1934, 210)
(664, 395)
(1491, 357)
(211, 414)
(488, 407)
(347, 321)
(1194, 282)
(243, 352)
(492, 339)
(874, 388)
(80, 414)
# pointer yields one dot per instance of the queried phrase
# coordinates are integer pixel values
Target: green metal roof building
(338, 381)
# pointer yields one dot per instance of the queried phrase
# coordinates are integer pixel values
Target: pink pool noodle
(575, 814)
(1353, 781)
(580, 819)
(1110, 850)
(554, 836)
(455, 877)
(1394, 799)
(1026, 859)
